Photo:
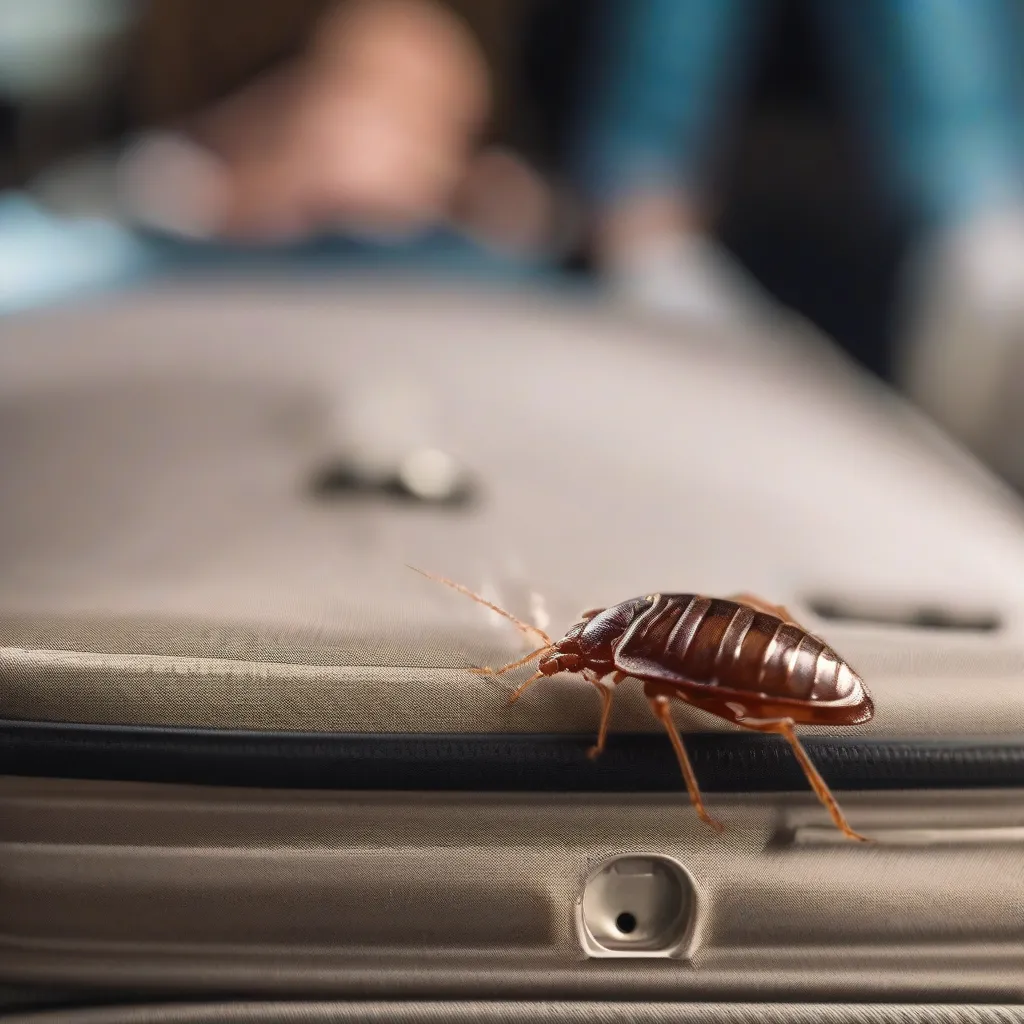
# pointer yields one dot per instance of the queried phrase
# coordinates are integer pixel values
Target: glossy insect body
(717, 649)
(741, 659)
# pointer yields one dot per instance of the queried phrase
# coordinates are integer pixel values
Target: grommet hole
(626, 922)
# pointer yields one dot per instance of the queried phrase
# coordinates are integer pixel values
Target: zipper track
(724, 763)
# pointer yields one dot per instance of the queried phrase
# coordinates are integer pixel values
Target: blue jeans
(936, 83)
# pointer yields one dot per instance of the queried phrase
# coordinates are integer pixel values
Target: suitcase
(247, 775)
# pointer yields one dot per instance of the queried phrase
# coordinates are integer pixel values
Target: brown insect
(740, 658)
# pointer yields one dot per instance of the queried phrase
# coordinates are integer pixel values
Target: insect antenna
(532, 656)
(518, 623)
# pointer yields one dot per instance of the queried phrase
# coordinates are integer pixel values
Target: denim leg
(942, 95)
(657, 76)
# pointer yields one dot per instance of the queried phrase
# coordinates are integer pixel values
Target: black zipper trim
(724, 763)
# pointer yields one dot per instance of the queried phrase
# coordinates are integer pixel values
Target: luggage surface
(242, 752)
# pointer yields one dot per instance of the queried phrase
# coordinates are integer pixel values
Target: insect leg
(662, 708)
(508, 668)
(784, 727)
(606, 713)
(522, 687)
(761, 605)
(606, 707)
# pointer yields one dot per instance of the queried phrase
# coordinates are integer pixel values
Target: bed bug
(740, 658)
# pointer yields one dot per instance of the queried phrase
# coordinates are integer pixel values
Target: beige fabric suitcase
(243, 761)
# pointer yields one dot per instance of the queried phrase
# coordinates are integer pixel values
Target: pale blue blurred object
(45, 258)
(53, 48)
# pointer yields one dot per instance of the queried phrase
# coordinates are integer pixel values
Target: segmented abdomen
(720, 642)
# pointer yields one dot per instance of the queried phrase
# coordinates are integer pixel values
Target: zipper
(724, 762)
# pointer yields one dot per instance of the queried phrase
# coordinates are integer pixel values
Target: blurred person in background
(270, 121)
(937, 87)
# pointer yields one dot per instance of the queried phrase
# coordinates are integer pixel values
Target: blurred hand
(372, 129)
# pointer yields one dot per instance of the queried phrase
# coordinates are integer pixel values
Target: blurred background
(856, 164)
